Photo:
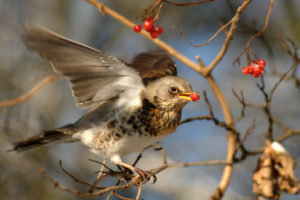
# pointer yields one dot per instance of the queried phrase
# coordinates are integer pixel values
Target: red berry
(255, 75)
(261, 63)
(159, 30)
(245, 70)
(195, 96)
(256, 69)
(154, 34)
(250, 69)
(137, 28)
(148, 25)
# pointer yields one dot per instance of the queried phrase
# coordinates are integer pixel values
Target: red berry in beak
(195, 96)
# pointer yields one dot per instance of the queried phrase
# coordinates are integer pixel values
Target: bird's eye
(173, 90)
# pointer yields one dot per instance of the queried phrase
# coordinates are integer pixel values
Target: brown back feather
(154, 65)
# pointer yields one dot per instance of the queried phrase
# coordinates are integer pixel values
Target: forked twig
(209, 40)
(76, 179)
(265, 26)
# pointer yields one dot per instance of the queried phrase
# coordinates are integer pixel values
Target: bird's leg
(140, 155)
(120, 168)
(134, 169)
(137, 159)
(144, 174)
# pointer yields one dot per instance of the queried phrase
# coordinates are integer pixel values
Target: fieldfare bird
(131, 106)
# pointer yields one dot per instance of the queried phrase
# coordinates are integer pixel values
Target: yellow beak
(189, 96)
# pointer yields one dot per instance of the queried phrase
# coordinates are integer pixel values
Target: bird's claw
(146, 175)
(143, 176)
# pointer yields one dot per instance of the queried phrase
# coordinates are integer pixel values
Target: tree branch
(105, 10)
(229, 36)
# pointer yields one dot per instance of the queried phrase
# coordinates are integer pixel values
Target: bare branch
(28, 95)
(291, 49)
(76, 179)
(139, 192)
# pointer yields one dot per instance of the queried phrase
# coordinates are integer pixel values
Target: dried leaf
(275, 173)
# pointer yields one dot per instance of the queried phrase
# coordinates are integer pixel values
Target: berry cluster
(256, 68)
(149, 27)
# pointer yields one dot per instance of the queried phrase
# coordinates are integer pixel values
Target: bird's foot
(145, 175)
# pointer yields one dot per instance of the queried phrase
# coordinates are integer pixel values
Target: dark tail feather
(60, 135)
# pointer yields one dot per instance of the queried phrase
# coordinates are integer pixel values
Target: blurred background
(54, 106)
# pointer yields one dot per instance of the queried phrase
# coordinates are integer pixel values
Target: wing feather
(94, 76)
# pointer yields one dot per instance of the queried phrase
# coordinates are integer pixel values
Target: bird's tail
(60, 135)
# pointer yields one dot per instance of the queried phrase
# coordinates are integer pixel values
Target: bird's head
(170, 92)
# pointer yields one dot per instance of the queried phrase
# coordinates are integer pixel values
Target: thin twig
(76, 179)
(244, 153)
(109, 195)
(187, 4)
(102, 163)
(139, 192)
(208, 41)
(265, 26)
(241, 99)
(278, 82)
(133, 182)
(267, 109)
(229, 36)
(211, 117)
(248, 132)
(288, 132)
(293, 53)
(28, 95)
(247, 49)
(121, 197)
(161, 150)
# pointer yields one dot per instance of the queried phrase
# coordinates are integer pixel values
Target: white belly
(123, 146)
(130, 144)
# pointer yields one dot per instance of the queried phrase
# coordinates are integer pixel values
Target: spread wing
(154, 65)
(95, 77)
